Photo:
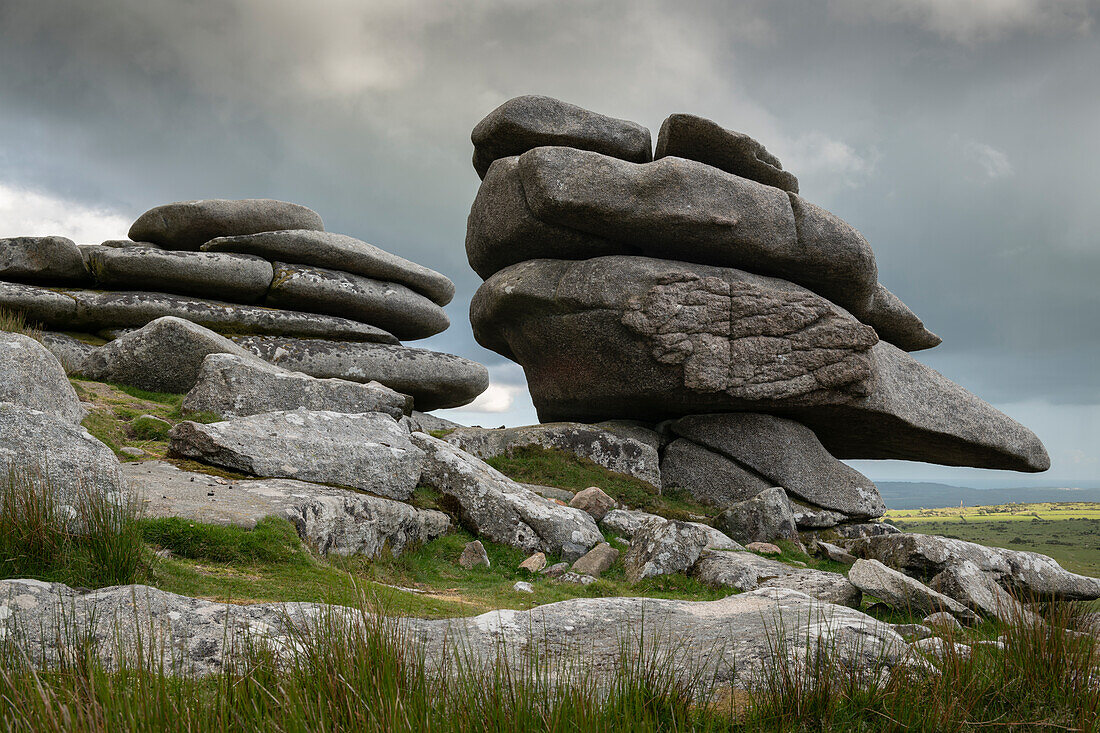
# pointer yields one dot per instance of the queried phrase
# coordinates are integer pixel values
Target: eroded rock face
(48, 260)
(165, 355)
(1028, 573)
(433, 379)
(745, 571)
(729, 641)
(494, 506)
(93, 310)
(334, 521)
(611, 450)
(632, 337)
(234, 386)
(37, 444)
(531, 121)
(30, 376)
(902, 592)
(787, 454)
(223, 276)
(697, 138)
(367, 451)
(188, 225)
(338, 252)
(391, 306)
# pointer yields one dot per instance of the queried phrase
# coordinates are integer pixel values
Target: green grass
(1068, 532)
(554, 467)
(16, 322)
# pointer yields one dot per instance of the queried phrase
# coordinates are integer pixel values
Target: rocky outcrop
(367, 451)
(331, 520)
(786, 454)
(730, 641)
(166, 355)
(532, 121)
(903, 593)
(338, 252)
(766, 517)
(234, 386)
(697, 138)
(1029, 574)
(745, 571)
(495, 507)
(187, 225)
(433, 379)
(31, 377)
(613, 451)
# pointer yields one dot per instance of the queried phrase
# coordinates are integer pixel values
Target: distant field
(1067, 531)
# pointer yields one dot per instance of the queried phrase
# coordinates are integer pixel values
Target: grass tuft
(272, 540)
(15, 322)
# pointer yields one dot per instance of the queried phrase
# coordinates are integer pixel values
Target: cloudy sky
(962, 138)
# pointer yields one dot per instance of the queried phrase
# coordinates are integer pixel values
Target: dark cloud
(959, 137)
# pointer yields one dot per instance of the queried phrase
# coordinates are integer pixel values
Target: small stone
(764, 548)
(937, 647)
(596, 561)
(535, 563)
(576, 579)
(941, 621)
(913, 632)
(131, 451)
(474, 555)
(522, 587)
(556, 570)
(836, 554)
(594, 501)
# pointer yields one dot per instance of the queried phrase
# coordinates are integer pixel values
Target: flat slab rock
(697, 138)
(338, 252)
(729, 641)
(188, 225)
(903, 593)
(234, 386)
(745, 571)
(31, 376)
(650, 340)
(93, 310)
(613, 451)
(334, 521)
(35, 443)
(786, 454)
(222, 276)
(1028, 573)
(433, 379)
(165, 355)
(43, 260)
(495, 507)
(390, 306)
(531, 121)
(367, 451)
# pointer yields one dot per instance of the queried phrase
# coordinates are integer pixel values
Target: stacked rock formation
(265, 274)
(695, 291)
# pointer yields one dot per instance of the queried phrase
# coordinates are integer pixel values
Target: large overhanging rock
(190, 224)
(232, 385)
(165, 355)
(632, 337)
(531, 121)
(92, 310)
(731, 642)
(334, 521)
(36, 445)
(787, 454)
(30, 376)
(433, 379)
(768, 232)
(745, 571)
(339, 252)
(614, 452)
(497, 508)
(1027, 573)
(367, 451)
(392, 306)
(239, 278)
(697, 138)
(46, 260)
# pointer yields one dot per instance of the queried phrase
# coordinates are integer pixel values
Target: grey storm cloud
(960, 138)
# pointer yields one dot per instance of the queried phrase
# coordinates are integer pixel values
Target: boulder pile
(260, 272)
(694, 292)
